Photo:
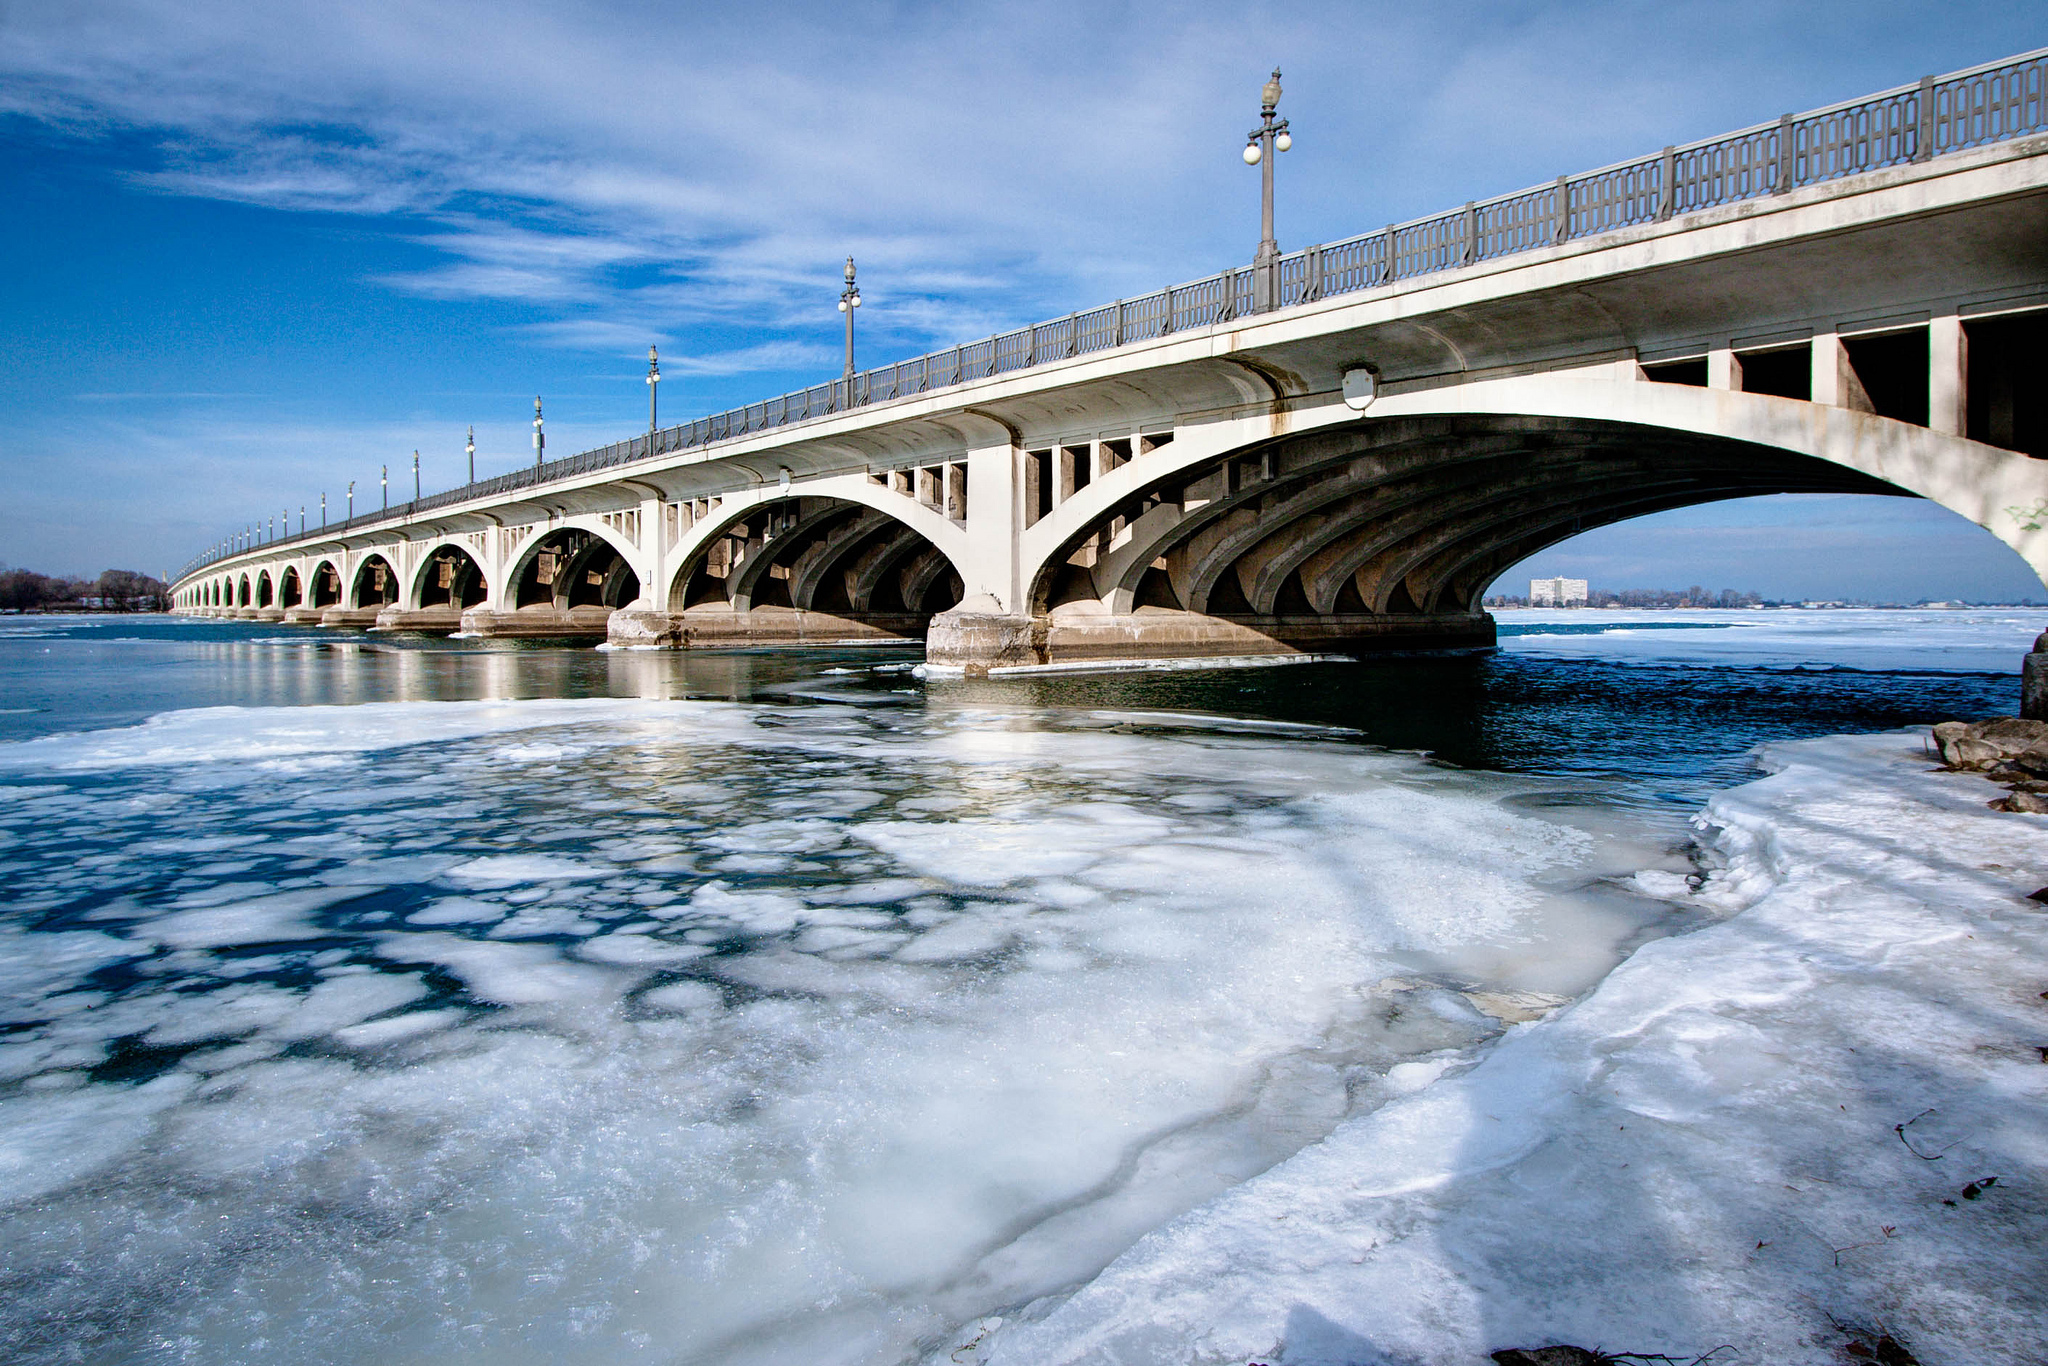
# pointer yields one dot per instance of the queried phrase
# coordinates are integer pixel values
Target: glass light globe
(856, 301)
(842, 305)
(1252, 154)
(1283, 142)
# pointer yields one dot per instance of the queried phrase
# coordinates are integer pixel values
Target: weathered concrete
(537, 623)
(362, 618)
(976, 642)
(2034, 682)
(712, 628)
(441, 620)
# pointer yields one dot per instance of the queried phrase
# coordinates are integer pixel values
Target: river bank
(1817, 1123)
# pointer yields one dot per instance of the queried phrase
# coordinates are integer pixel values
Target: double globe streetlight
(1261, 143)
(849, 299)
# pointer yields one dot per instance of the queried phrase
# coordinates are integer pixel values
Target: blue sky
(257, 250)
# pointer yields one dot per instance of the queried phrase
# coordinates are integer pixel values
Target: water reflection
(1668, 732)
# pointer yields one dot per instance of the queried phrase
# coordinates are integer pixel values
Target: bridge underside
(1367, 538)
(802, 570)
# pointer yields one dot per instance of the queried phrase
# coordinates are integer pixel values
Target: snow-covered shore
(1761, 1134)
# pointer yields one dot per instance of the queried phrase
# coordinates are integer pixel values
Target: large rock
(2013, 733)
(1982, 744)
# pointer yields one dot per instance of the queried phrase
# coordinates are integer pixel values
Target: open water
(407, 1000)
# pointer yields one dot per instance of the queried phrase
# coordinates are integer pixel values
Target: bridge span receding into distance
(1338, 456)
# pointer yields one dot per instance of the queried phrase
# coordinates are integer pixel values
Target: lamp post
(351, 500)
(302, 519)
(384, 485)
(540, 440)
(323, 512)
(653, 383)
(849, 299)
(470, 446)
(415, 476)
(1261, 143)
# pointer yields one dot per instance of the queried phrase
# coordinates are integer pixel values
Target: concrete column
(1724, 369)
(1834, 379)
(654, 554)
(1948, 375)
(995, 476)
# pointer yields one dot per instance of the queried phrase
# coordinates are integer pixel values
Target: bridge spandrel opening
(2007, 391)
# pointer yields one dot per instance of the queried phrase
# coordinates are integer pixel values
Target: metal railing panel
(1723, 172)
(1862, 137)
(1991, 106)
(1516, 224)
(1616, 198)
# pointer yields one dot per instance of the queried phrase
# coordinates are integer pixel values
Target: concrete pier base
(2034, 681)
(303, 616)
(977, 642)
(537, 623)
(443, 620)
(712, 628)
(360, 617)
(270, 614)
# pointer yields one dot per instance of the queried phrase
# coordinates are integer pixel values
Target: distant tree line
(117, 590)
(1694, 596)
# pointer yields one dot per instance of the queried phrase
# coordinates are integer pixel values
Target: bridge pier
(719, 627)
(976, 642)
(441, 620)
(362, 618)
(540, 622)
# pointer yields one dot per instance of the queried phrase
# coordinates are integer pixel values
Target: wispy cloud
(1026, 156)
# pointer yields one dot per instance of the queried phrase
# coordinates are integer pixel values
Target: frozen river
(422, 1001)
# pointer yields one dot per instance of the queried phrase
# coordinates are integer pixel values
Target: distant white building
(1557, 592)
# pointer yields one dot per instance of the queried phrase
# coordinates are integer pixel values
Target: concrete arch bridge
(1341, 458)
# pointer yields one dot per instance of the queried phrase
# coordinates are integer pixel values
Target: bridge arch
(837, 553)
(263, 588)
(449, 575)
(324, 588)
(572, 567)
(1410, 511)
(291, 589)
(375, 583)
(244, 596)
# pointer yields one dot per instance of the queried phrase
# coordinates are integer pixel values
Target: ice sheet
(1978, 640)
(1764, 1134)
(738, 1033)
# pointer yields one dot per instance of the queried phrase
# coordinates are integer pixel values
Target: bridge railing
(1940, 114)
